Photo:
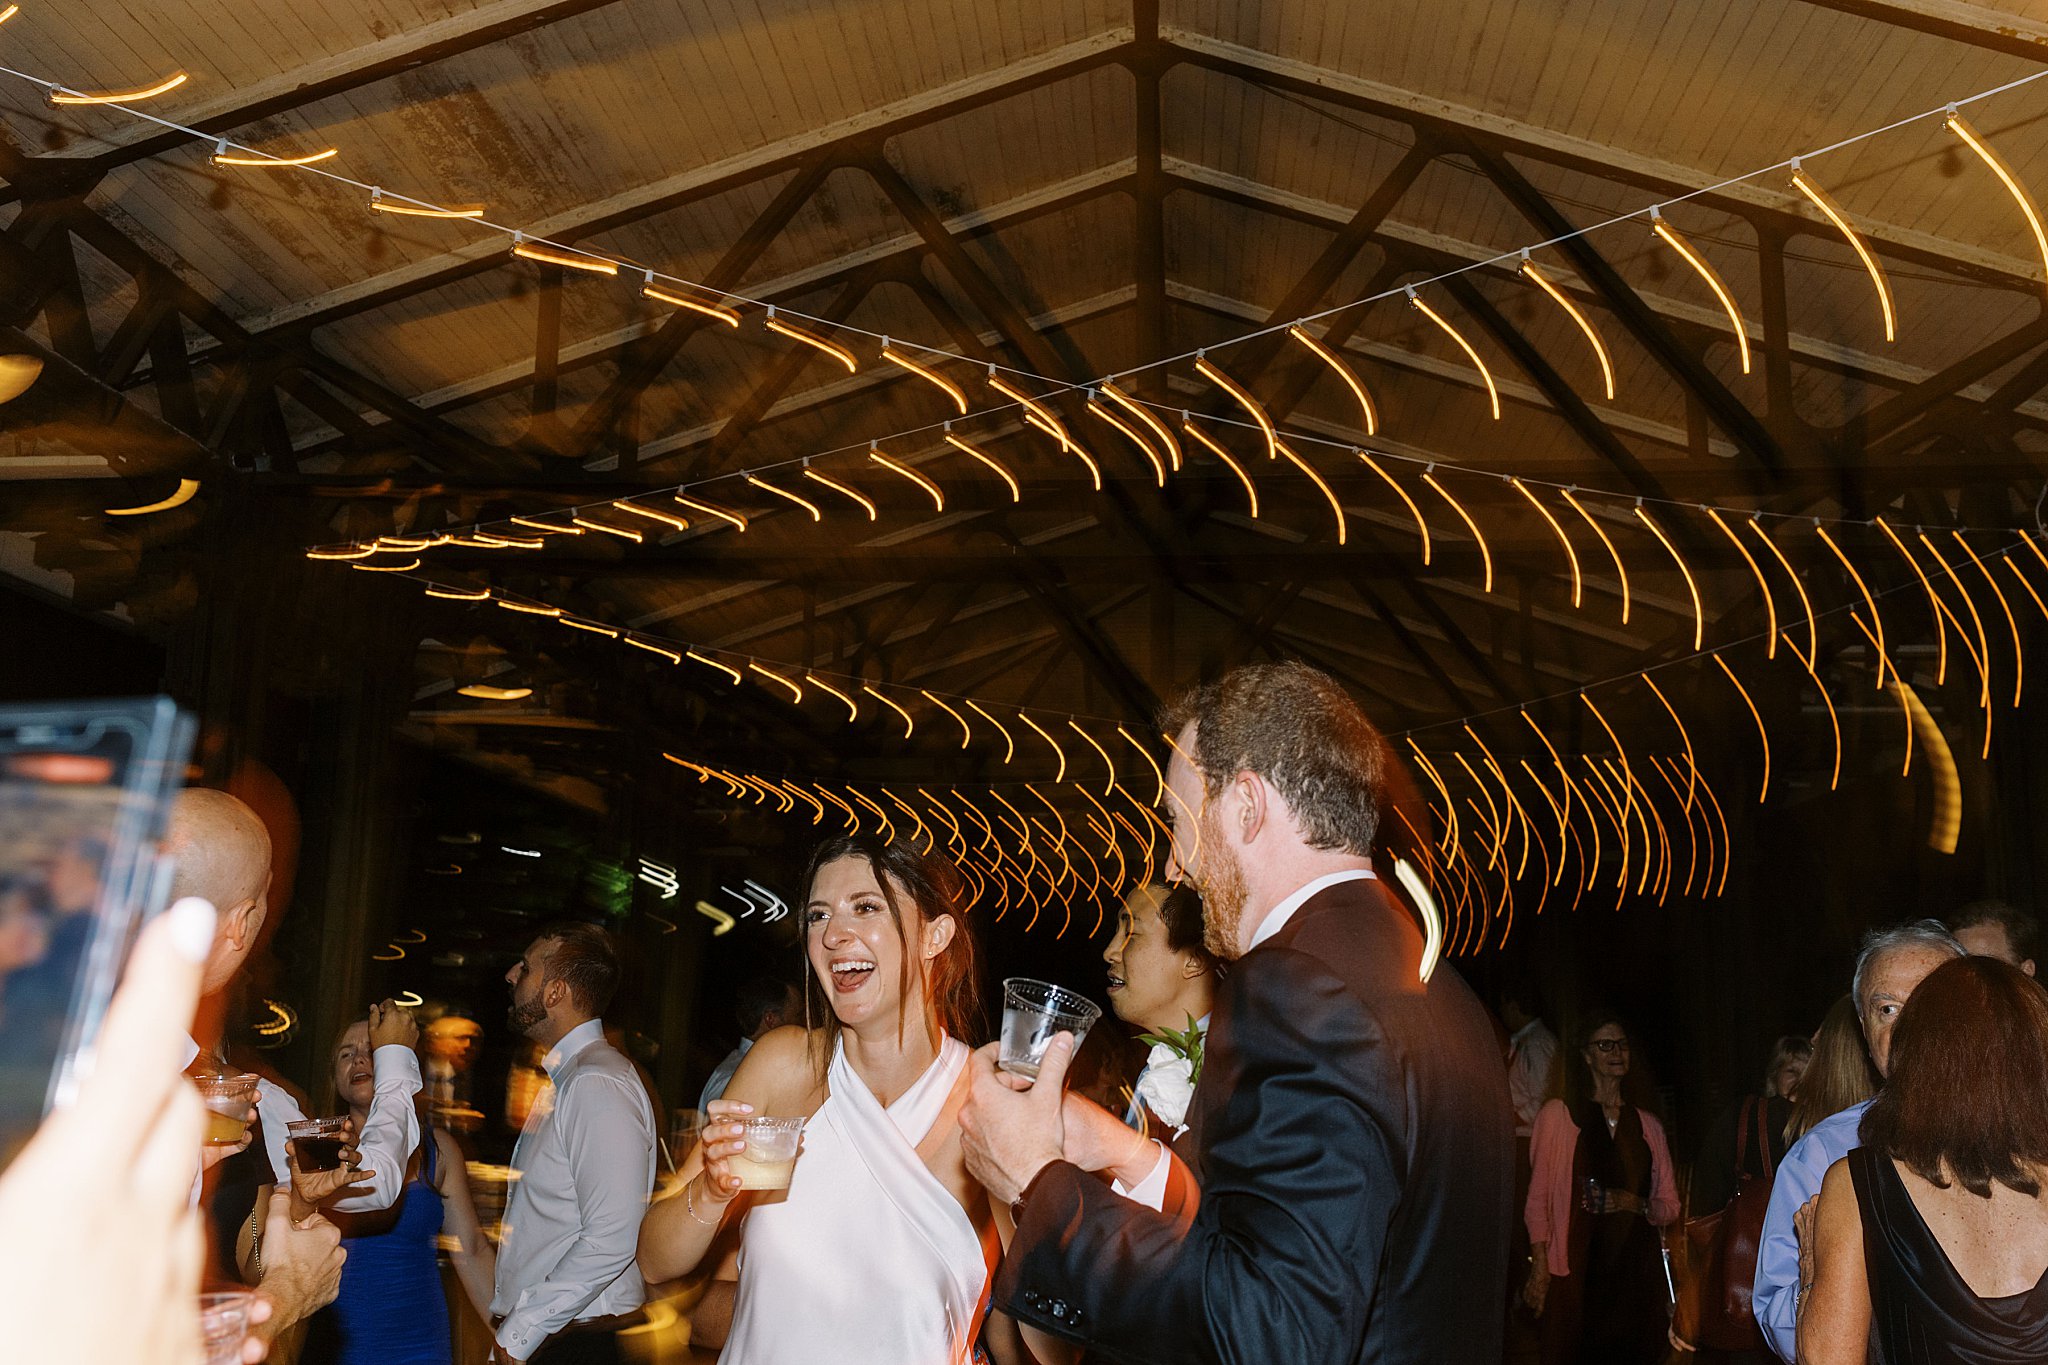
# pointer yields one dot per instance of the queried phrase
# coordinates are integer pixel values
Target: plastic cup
(770, 1158)
(224, 1324)
(318, 1142)
(1034, 1012)
(227, 1100)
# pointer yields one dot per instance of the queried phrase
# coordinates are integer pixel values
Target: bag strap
(1742, 1135)
(1763, 1140)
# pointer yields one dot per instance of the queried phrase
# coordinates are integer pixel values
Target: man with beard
(566, 1275)
(1351, 1191)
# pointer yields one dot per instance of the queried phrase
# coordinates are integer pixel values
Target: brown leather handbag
(1721, 1249)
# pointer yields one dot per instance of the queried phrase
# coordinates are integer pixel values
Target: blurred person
(1890, 965)
(100, 1197)
(1726, 1200)
(451, 1044)
(764, 1004)
(1930, 1241)
(566, 1281)
(1838, 1074)
(880, 1250)
(1350, 1193)
(1162, 979)
(1995, 929)
(1532, 1052)
(1601, 1187)
(390, 1309)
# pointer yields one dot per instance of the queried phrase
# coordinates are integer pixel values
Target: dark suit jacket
(1354, 1150)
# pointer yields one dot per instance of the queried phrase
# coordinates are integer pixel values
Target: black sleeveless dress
(1921, 1311)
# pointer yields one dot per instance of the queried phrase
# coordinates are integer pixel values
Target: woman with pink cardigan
(1601, 1187)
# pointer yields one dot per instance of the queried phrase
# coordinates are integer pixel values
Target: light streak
(1345, 373)
(1620, 569)
(1756, 716)
(1699, 614)
(1485, 554)
(1243, 400)
(909, 725)
(966, 734)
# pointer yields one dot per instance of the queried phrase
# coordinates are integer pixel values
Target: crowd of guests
(1321, 1157)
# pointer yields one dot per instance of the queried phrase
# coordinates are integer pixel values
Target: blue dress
(391, 1310)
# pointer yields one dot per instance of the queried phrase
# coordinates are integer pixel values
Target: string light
(1485, 555)
(966, 733)
(1131, 434)
(621, 532)
(938, 498)
(739, 523)
(653, 648)
(1933, 605)
(1058, 432)
(1344, 372)
(2018, 654)
(1620, 569)
(1492, 393)
(852, 819)
(1210, 444)
(1983, 641)
(1805, 602)
(406, 567)
(796, 693)
(674, 523)
(1756, 716)
(1905, 708)
(1571, 309)
(1336, 508)
(1834, 214)
(1699, 614)
(458, 594)
(1557, 762)
(1612, 738)
(1159, 777)
(1692, 843)
(1048, 421)
(812, 340)
(594, 627)
(179, 496)
(817, 514)
(1421, 526)
(841, 489)
(1684, 736)
(1700, 267)
(223, 157)
(1107, 762)
(62, 96)
(1770, 603)
(1152, 424)
(484, 692)
(1244, 400)
(888, 828)
(733, 673)
(1876, 620)
(1058, 752)
(1571, 555)
(852, 707)
(413, 208)
(1834, 722)
(1947, 822)
(573, 260)
(1009, 745)
(930, 376)
(909, 725)
(1960, 126)
(363, 553)
(717, 311)
(2007, 561)
(1016, 493)
(549, 527)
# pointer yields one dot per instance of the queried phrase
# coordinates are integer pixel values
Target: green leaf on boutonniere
(1186, 1042)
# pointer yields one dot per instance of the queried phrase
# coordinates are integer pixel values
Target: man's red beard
(1221, 882)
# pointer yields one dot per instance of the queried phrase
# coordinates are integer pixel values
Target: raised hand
(391, 1022)
(1011, 1128)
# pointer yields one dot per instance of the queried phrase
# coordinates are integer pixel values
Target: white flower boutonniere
(1171, 1070)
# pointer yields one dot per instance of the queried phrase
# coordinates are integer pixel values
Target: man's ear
(1251, 806)
(241, 923)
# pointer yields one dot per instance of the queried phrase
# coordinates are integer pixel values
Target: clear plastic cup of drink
(318, 1142)
(224, 1324)
(227, 1100)
(1034, 1012)
(771, 1153)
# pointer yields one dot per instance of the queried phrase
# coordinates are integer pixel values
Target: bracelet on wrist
(690, 1205)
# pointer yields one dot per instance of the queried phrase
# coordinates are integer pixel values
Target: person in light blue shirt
(1890, 964)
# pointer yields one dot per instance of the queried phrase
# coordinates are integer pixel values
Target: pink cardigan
(1549, 1210)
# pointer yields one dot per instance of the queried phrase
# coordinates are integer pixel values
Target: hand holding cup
(724, 1137)
(313, 1187)
(391, 1022)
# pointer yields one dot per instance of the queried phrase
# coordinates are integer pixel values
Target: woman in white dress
(882, 1249)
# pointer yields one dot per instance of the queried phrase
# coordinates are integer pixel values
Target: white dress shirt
(1151, 1191)
(391, 1131)
(572, 1225)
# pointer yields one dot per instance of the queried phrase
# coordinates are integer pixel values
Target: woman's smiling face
(857, 949)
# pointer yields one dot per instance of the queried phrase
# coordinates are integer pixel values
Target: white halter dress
(870, 1260)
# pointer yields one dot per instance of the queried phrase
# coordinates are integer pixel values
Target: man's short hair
(2022, 931)
(1920, 933)
(1301, 732)
(584, 958)
(758, 998)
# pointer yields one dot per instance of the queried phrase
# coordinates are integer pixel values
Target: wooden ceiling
(1071, 188)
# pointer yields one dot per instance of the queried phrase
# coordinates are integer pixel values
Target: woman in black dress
(1930, 1242)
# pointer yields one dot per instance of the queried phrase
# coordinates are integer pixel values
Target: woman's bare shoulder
(780, 1070)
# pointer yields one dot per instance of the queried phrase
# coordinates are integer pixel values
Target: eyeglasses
(1605, 1045)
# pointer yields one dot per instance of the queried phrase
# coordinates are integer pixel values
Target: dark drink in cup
(317, 1142)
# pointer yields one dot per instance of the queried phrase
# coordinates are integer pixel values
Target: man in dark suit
(1350, 1195)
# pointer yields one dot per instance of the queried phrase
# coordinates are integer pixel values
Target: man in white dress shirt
(567, 1280)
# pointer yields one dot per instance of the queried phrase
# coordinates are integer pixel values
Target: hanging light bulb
(485, 692)
(1058, 752)
(938, 498)
(1571, 555)
(223, 157)
(966, 734)
(852, 707)
(1159, 429)
(1016, 493)
(1585, 325)
(415, 208)
(458, 594)
(1699, 614)
(812, 340)
(1705, 272)
(62, 96)
(739, 523)
(1210, 443)
(716, 311)
(1757, 716)
(1009, 745)
(1336, 508)
(622, 532)
(1492, 393)
(179, 496)
(652, 648)
(553, 255)
(1820, 200)
(668, 519)
(733, 674)
(1244, 400)
(817, 513)
(1485, 554)
(843, 490)
(1961, 127)
(927, 374)
(1367, 412)
(1130, 434)
(1620, 569)
(909, 725)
